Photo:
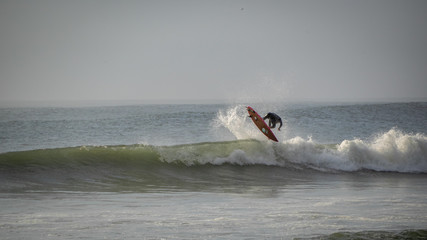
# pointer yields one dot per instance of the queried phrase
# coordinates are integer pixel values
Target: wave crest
(391, 151)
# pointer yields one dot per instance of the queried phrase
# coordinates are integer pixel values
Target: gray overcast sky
(54, 50)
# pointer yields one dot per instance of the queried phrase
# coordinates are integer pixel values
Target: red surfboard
(259, 122)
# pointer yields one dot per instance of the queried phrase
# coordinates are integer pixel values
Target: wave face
(129, 166)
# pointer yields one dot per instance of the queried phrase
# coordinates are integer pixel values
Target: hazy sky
(54, 50)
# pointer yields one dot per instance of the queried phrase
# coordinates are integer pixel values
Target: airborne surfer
(273, 119)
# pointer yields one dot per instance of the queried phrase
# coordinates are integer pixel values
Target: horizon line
(123, 102)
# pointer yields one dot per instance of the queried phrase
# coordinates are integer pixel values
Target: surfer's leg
(273, 125)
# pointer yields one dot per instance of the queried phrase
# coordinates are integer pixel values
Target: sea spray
(234, 120)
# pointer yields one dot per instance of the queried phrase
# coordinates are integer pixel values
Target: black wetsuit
(273, 119)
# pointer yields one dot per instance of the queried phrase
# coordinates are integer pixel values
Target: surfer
(273, 119)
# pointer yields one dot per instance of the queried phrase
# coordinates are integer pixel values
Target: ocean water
(204, 171)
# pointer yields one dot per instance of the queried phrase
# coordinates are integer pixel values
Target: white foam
(390, 151)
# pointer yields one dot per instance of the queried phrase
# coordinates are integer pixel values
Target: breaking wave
(391, 151)
(140, 167)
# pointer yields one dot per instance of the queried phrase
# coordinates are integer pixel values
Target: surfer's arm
(280, 120)
(266, 116)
